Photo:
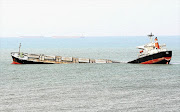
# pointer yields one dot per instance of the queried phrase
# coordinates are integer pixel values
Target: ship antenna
(19, 47)
(150, 36)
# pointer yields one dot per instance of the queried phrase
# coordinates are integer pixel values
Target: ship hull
(157, 58)
(19, 61)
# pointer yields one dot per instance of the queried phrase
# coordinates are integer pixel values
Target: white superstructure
(151, 48)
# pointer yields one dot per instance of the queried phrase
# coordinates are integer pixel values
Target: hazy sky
(89, 17)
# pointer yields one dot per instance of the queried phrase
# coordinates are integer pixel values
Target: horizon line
(76, 36)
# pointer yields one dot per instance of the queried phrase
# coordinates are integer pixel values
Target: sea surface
(116, 87)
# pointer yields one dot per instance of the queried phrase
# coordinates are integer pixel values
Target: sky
(89, 17)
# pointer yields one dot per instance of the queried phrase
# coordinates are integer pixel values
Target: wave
(175, 63)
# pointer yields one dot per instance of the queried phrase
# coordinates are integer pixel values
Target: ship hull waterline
(18, 61)
(157, 58)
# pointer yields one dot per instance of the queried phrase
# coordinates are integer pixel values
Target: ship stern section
(157, 58)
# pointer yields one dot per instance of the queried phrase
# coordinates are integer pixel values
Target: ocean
(112, 87)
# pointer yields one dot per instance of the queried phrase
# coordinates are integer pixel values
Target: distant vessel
(82, 36)
(153, 53)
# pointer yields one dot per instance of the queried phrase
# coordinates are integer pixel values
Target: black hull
(158, 58)
(18, 61)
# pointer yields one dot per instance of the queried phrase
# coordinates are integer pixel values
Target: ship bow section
(23, 59)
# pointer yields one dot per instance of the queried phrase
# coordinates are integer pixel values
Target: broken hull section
(157, 58)
(18, 61)
(45, 59)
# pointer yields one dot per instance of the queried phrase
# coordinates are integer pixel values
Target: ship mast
(150, 36)
(19, 47)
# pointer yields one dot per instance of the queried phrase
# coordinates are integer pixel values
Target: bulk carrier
(26, 58)
(151, 53)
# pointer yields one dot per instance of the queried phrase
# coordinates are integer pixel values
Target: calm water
(89, 87)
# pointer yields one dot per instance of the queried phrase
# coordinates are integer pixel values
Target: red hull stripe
(167, 58)
(15, 62)
(156, 60)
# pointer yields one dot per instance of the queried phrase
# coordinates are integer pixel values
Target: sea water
(88, 87)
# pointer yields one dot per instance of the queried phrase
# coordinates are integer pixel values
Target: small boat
(153, 53)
